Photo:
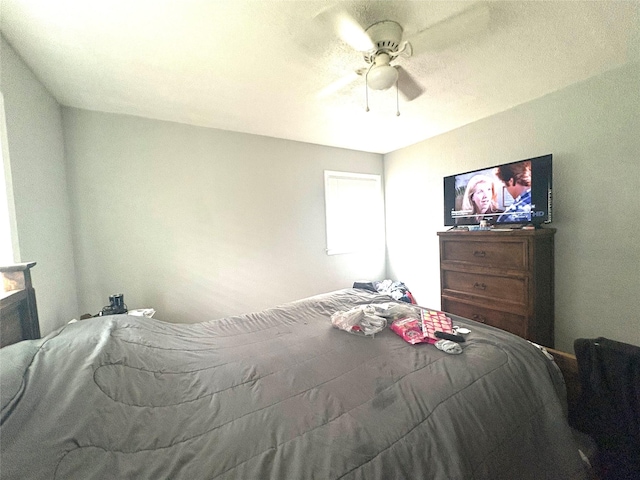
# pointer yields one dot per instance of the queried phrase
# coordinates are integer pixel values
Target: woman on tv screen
(480, 198)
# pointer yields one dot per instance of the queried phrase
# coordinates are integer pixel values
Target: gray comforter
(278, 394)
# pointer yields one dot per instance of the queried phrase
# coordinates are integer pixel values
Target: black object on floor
(609, 405)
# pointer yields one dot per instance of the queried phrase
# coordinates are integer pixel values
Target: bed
(279, 394)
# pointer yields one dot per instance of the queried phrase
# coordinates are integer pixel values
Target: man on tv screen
(517, 181)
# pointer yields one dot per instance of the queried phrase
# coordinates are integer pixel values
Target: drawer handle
(480, 286)
(479, 253)
(479, 318)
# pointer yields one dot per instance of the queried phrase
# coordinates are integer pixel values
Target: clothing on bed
(395, 289)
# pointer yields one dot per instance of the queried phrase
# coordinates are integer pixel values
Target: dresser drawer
(515, 324)
(511, 289)
(506, 254)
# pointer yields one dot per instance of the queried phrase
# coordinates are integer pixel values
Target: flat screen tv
(511, 193)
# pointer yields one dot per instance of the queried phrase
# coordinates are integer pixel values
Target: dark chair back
(609, 404)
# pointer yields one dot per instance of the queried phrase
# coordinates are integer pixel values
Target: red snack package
(433, 321)
(409, 329)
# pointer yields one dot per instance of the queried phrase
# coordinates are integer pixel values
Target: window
(354, 212)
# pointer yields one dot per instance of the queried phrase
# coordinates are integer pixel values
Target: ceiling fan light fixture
(382, 77)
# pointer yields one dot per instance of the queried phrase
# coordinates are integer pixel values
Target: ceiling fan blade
(339, 84)
(452, 30)
(409, 88)
(342, 24)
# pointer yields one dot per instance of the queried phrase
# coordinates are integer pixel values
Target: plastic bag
(394, 311)
(361, 320)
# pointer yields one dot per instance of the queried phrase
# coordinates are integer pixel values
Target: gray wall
(592, 129)
(40, 194)
(201, 223)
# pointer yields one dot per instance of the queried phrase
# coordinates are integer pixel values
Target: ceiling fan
(383, 43)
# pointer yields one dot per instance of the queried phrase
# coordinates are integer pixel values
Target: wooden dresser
(501, 278)
(18, 311)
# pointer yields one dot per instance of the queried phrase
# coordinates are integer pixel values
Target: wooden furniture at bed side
(568, 365)
(18, 310)
(502, 278)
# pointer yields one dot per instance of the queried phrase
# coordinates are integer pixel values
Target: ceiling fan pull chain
(366, 86)
(366, 94)
(397, 100)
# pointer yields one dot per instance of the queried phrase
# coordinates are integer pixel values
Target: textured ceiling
(262, 67)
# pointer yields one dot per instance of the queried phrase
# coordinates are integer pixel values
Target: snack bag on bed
(409, 329)
(433, 321)
(422, 330)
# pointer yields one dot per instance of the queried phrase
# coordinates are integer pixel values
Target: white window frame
(9, 251)
(354, 212)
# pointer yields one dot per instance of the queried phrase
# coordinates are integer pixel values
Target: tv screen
(510, 193)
